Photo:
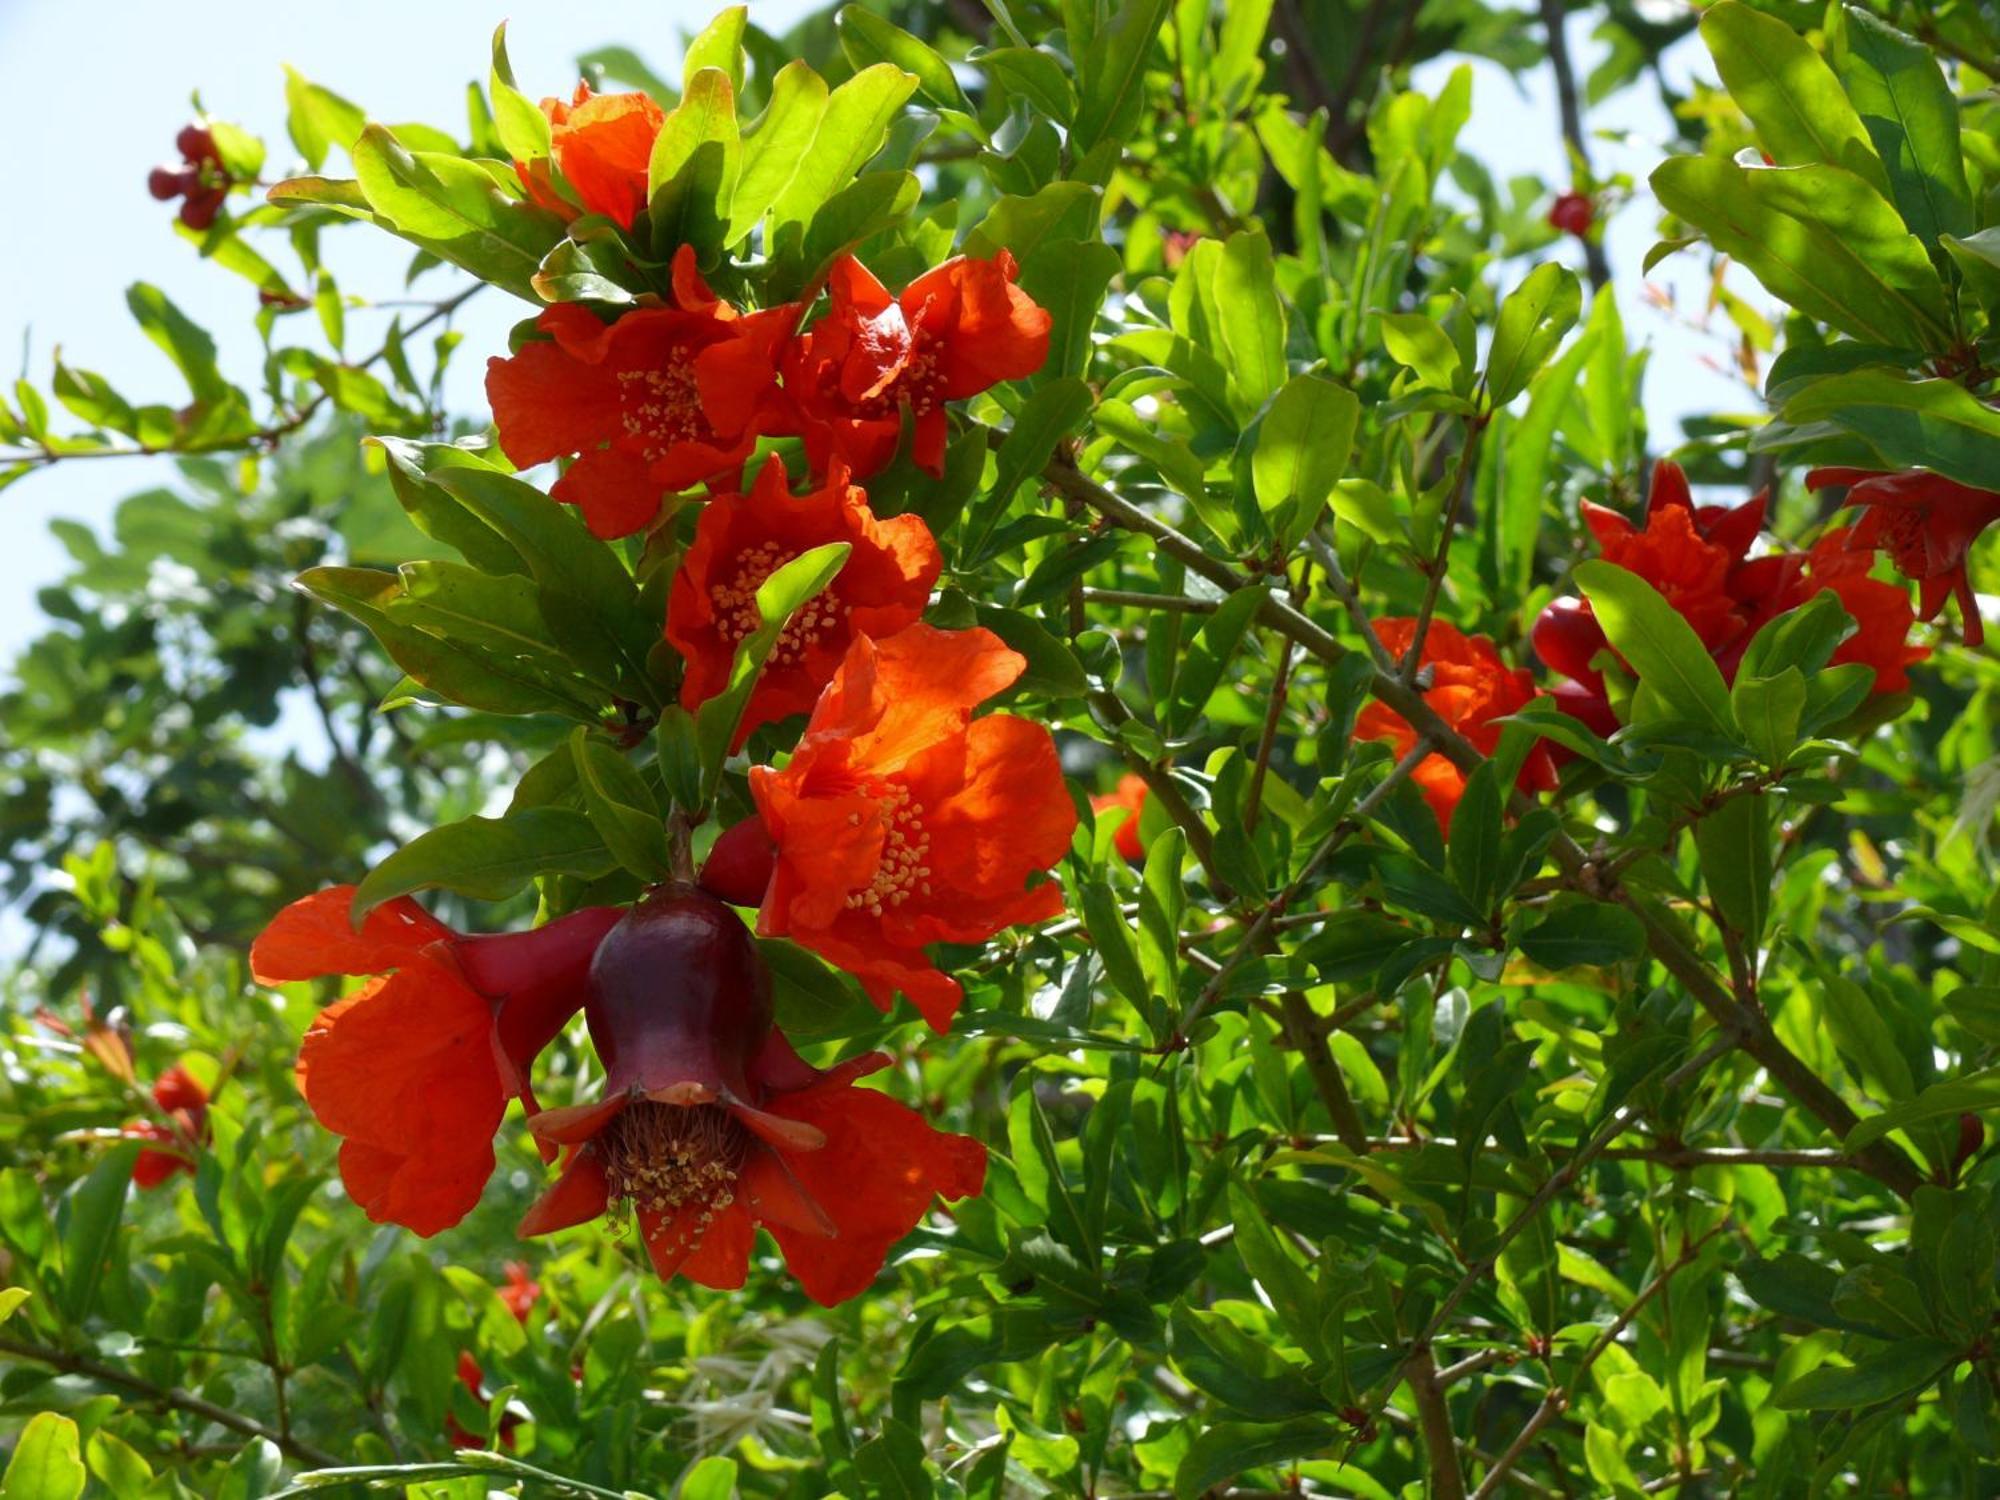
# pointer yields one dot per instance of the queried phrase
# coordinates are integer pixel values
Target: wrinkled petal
(315, 937)
(876, 1176)
(614, 488)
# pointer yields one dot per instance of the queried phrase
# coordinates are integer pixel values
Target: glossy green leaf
(46, 1463)
(1911, 114)
(621, 807)
(776, 145)
(1801, 113)
(1532, 321)
(489, 859)
(691, 175)
(1661, 646)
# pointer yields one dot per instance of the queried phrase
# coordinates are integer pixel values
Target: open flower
(1928, 524)
(414, 1070)
(1881, 611)
(602, 145)
(185, 1102)
(1471, 688)
(652, 404)
(741, 540)
(901, 820)
(1129, 795)
(955, 331)
(711, 1126)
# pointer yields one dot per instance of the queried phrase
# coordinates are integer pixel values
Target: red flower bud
(1572, 213)
(166, 184)
(1566, 636)
(739, 864)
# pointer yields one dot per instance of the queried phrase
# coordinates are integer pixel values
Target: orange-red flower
(901, 820)
(185, 1102)
(711, 1126)
(521, 1292)
(414, 1070)
(1881, 611)
(955, 331)
(601, 144)
(1690, 571)
(1928, 523)
(1130, 795)
(741, 540)
(1471, 687)
(652, 404)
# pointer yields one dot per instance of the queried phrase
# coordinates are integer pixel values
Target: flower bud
(1566, 636)
(739, 864)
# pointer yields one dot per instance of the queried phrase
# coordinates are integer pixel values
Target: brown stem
(169, 1396)
(1303, 1031)
(1447, 1479)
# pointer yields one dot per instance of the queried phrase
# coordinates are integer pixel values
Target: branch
(1571, 106)
(1434, 1420)
(1303, 1030)
(169, 1396)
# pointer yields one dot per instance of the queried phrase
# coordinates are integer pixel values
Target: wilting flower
(741, 540)
(414, 1070)
(1471, 688)
(711, 1126)
(202, 184)
(602, 145)
(1928, 523)
(653, 403)
(1130, 795)
(185, 1102)
(955, 331)
(901, 820)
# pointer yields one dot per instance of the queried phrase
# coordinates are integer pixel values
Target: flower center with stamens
(662, 406)
(915, 386)
(905, 869)
(1903, 534)
(736, 613)
(666, 1159)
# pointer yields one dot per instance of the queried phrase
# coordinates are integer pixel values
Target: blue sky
(91, 96)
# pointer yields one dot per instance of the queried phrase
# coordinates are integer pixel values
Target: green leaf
(454, 209)
(95, 1206)
(1525, 458)
(1819, 238)
(867, 38)
(1911, 114)
(1058, 213)
(46, 1464)
(1801, 113)
(621, 807)
(1112, 938)
(776, 145)
(1892, 1373)
(1968, 1095)
(1734, 842)
(1417, 342)
(1579, 932)
(778, 596)
(691, 175)
(1531, 323)
(1209, 655)
(1303, 444)
(1069, 278)
(1226, 1449)
(719, 45)
(851, 128)
(1661, 646)
(518, 121)
(1034, 75)
(181, 339)
(1253, 319)
(1934, 424)
(1472, 852)
(1111, 72)
(489, 859)
(1768, 710)
(318, 118)
(713, 1478)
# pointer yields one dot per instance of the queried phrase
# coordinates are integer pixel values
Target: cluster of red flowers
(665, 398)
(1698, 558)
(899, 820)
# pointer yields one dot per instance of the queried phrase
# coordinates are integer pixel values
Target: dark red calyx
(164, 183)
(536, 980)
(195, 144)
(1566, 636)
(679, 995)
(739, 864)
(1971, 1136)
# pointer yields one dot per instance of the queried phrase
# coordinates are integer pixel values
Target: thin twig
(170, 1396)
